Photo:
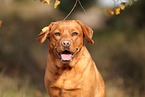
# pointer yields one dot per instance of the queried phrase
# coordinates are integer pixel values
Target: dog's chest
(57, 92)
(66, 85)
(67, 79)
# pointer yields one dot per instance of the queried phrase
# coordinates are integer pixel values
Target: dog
(70, 70)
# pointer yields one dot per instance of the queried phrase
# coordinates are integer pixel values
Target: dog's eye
(74, 34)
(57, 34)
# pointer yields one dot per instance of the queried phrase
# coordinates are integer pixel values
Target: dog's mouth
(66, 55)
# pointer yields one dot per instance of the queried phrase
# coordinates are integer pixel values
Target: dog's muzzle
(66, 55)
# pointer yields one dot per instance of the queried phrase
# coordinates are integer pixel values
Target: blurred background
(119, 49)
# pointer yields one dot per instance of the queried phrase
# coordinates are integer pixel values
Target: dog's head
(66, 38)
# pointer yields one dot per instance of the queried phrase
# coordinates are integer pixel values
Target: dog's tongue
(66, 57)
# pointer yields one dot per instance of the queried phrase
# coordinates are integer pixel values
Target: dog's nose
(65, 43)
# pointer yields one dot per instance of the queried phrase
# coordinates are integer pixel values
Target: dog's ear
(88, 32)
(44, 34)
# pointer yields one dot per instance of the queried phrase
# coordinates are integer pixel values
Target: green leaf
(130, 3)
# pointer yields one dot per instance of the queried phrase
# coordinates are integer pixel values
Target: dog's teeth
(66, 56)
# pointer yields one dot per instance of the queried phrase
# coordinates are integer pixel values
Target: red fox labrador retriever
(70, 70)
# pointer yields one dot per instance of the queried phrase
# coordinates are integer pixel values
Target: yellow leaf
(124, 3)
(122, 7)
(57, 2)
(47, 1)
(41, 0)
(110, 12)
(117, 11)
(45, 29)
(0, 23)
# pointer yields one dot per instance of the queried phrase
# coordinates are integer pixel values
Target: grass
(14, 87)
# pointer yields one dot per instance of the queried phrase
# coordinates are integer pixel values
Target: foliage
(57, 2)
(122, 6)
(0, 23)
(115, 10)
